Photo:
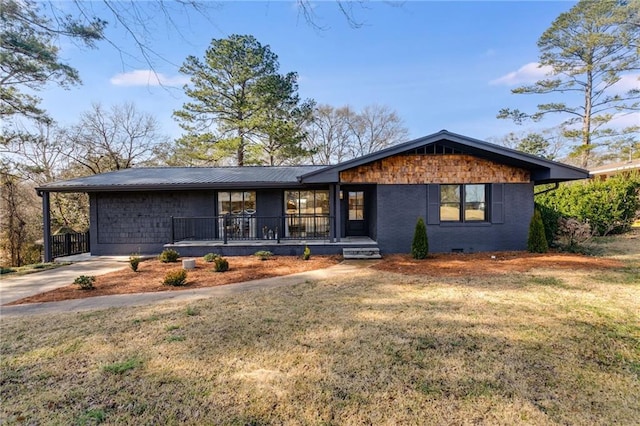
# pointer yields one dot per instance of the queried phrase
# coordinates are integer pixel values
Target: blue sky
(440, 65)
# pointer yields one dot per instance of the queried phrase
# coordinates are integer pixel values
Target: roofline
(170, 187)
(443, 134)
(615, 169)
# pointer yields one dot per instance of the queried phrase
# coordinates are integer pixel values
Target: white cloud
(622, 120)
(626, 83)
(147, 78)
(528, 73)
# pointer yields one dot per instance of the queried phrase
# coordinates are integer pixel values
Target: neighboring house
(607, 170)
(473, 195)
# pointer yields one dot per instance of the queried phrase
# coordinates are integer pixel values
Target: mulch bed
(151, 272)
(482, 264)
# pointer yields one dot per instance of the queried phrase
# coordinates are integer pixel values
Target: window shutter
(497, 203)
(433, 204)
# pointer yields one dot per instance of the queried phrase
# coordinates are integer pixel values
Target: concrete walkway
(15, 288)
(121, 300)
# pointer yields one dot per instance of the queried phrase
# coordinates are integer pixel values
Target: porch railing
(245, 227)
(69, 244)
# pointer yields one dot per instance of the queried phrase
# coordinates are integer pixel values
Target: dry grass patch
(480, 264)
(542, 347)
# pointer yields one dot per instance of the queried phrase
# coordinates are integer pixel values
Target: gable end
(425, 169)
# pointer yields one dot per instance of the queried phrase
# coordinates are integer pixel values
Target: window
(307, 213)
(236, 202)
(463, 203)
(356, 205)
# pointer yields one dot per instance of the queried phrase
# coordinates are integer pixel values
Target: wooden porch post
(46, 226)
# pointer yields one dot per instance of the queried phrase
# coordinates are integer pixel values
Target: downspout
(556, 185)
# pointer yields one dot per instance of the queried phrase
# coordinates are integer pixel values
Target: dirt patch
(482, 264)
(151, 272)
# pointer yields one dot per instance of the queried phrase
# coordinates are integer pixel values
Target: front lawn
(539, 346)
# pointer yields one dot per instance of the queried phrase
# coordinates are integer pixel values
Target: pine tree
(420, 244)
(537, 241)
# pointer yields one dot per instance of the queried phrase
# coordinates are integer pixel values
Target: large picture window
(236, 202)
(307, 213)
(463, 203)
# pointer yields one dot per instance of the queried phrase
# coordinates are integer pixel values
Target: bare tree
(328, 135)
(375, 128)
(19, 220)
(339, 134)
(114, 139)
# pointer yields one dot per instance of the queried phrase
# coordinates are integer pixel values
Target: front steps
(361, 253)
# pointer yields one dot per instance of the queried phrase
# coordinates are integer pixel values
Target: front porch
(288, 247)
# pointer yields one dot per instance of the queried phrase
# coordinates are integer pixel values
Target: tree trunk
(586, 121)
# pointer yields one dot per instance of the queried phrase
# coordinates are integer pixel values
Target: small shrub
(537, 241)
(134, 261)
(221, 264)
(263, 254)
(4, 270)
(191, 311)
(210, 257)
(572, 233)
(420, 244)
(85, 282)
(176, 278)
(169, 256)
(306, 254)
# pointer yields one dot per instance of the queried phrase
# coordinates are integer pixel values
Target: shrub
(550, 219)
(4, 270)
(176, 278)
(572, 233)
(221, 264)
(210, 257)
(306, 254)
(537, 241)
(85, 282)
(263, 254)
(134, 261)
(169, 256)
(609, 206)
(420, 244)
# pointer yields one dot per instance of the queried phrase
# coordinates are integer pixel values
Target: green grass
(540, 348)
(122, 367)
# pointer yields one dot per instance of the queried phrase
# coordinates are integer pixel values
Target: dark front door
(356, 216)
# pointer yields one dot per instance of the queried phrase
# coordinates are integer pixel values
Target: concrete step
(361, 253)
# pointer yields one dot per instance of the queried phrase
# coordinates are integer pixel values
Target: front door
(356, 218)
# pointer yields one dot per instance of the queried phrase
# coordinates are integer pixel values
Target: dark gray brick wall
(400, 205)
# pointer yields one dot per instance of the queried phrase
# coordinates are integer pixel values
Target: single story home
(606, 171)
(473, 195)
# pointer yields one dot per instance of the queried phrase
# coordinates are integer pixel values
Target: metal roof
(616, 167)
(168, 178)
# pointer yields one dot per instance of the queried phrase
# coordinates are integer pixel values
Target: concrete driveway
(15, 288)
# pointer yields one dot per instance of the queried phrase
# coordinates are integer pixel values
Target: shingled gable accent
(425, 169)
(540, 170)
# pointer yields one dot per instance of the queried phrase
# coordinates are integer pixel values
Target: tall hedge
(537, 241)
(420, 244)
(609, 206)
